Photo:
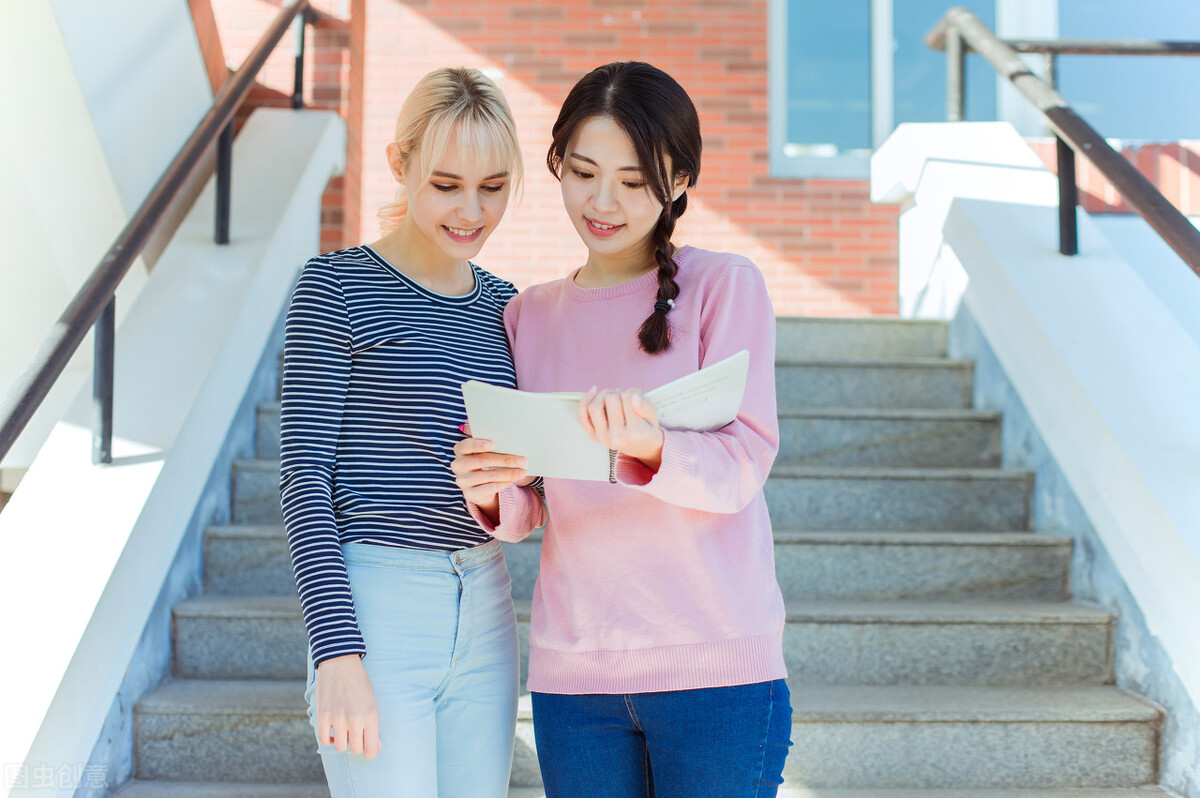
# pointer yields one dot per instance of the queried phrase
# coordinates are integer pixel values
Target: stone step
(247, 560)
(195, 789)
(890, 438)
(239, 637)
(175, 789)
(801, 792)
(889, 565)
(244, 731)
(825, 642)
(1035, 644)
(922, 565)
(880, 738)
(266, 431)
(869, 338)
(256, 492)
(852, 737)
(941, 643)
(880, 384)
(254, 560)
(875, 438)
(918, 737)
(812, 498)
(231, 730)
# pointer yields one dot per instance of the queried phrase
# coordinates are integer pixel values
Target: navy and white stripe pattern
(371, 400)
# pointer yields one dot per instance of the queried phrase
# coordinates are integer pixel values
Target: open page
(545, 429)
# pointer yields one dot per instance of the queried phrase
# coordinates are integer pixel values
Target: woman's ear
(681, 184)
(396, 161)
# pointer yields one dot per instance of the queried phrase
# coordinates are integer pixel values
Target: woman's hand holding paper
(482, 473)
(625, 421)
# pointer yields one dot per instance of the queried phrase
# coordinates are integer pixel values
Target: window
(1132, 97)
(843, 74)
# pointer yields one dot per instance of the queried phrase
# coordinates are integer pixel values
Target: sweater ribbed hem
(725, 663)
(647, 281)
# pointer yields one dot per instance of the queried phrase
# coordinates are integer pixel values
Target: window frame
(856, 167)
(1016, 18)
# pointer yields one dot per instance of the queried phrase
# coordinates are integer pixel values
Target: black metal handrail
(960, 31)
(95, 302)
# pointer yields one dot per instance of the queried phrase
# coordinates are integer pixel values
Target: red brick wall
(1173, 167)
(326, 79)
(823, 248)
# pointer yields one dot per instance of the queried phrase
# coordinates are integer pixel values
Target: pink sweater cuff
(676, 462)
(521, 512)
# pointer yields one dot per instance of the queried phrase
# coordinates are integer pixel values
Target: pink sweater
(664, 581)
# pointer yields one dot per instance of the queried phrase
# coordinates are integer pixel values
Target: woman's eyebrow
(593, 163)
(452, 176)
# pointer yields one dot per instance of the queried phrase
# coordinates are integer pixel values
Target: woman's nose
(471, 208)
(605, 199)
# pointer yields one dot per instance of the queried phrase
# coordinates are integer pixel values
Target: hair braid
(655, 332)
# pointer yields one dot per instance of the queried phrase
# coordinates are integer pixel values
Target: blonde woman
(413, 663)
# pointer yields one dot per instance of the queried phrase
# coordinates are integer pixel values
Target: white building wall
(107, 94)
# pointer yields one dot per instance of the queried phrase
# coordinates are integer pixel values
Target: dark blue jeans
(722, 741)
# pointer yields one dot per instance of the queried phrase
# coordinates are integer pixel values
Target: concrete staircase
(933, 646)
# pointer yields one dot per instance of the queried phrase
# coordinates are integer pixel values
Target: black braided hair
(661, 121)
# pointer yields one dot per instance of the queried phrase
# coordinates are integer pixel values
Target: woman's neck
(409, 251)
(602, 272)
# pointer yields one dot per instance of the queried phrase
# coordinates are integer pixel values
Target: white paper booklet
(544, 427)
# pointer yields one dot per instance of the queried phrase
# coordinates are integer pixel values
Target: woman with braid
(656, 662)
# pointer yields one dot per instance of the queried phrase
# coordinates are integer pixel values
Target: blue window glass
(831, 110)
(1132, 97)
(920, 73)
(828, 77)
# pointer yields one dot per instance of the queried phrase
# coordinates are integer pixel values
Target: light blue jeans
(442, 658)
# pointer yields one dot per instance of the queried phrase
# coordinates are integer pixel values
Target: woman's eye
(443, 187)
(493, 189)
(581, 174)
(635, 186)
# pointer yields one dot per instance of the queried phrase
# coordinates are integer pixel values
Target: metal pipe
(955, 78)
(1140, 193)
(1050, 69)
(1068, 199)
(224, 180)
(1104, 47)
(102, 384)
(35, 381)
(300, 26)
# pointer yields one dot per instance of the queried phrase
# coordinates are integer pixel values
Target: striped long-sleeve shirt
(373, 364)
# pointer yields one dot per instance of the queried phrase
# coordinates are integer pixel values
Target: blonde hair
(448, 101)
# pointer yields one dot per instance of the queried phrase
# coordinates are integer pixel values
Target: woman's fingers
(614, 411)
(324, 723)
(490, 476)
(642, 407)
(597, 416)
(609, 416)
(585, 416)
(471, 464)
(336, 734)
(472, 446)
(356, 739)
(371, 744)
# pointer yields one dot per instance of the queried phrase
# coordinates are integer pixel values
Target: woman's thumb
(645, 408)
